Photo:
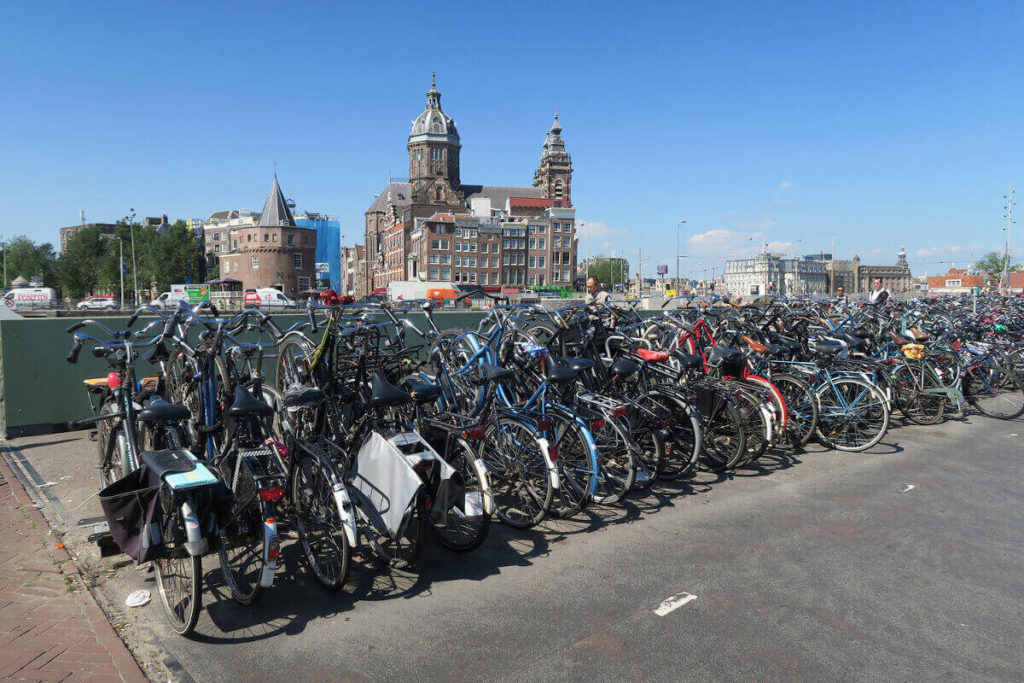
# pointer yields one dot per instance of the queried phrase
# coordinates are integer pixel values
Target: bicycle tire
(518, 472)
(460, 532)
(318, 523)
(725, 436)
(684, 441)
(988, 388)
(577, 467)
(803, 409)
(914, 386)
(835, 427)
(616, 463)
(178, 574)
(241, 539)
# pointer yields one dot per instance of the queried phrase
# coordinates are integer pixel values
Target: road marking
(673, 603)
(909, 487)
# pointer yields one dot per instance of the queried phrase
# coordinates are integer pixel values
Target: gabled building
(433, 227)
(961, 281)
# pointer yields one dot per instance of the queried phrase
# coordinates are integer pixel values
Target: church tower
(554, 175)
(434, 154)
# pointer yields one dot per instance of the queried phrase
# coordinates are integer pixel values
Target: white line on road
(909, 487)
(673, 603)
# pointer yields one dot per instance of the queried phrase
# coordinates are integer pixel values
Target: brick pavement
(51, 628)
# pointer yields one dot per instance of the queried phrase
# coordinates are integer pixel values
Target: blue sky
(883, 124)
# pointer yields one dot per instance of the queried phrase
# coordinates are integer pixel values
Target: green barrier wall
(39, 387)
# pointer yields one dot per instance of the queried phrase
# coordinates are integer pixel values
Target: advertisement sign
(322, 268)
(196, 294)
(663, 269)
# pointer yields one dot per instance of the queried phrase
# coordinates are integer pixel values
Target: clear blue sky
(879, 123)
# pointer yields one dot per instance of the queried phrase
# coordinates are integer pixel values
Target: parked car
(97, 303)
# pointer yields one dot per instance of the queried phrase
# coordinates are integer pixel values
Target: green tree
(27, 259)
(609, 270)
(77, 268)
(992, 263)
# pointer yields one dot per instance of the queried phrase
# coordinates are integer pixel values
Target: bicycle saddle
(649, 356)
(160, 410)
(854, 341)
(791, 344)
(558, 373)
(623, 368)
(245, 404)
(577, 364)
(167, 462)
(423, 392)
(383, 393)
(689, 360)
(303, 397)
(492, 373)
(898, 339)
(826, 347)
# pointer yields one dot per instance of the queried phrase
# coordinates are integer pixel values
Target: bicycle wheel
(114, 457)
(645, 417)
(401, 548)
(725, 433)
(181, 386)
(616, 464)
(321, 531)
(463, 527)
(919, 394)
(241, 538)
(178, 574)
(803, 411)
(455, 352)
(994, 391)
(293, 356)
(522, 488)
(749, 404)
(577, 466)
(854, 415)
(684, 440)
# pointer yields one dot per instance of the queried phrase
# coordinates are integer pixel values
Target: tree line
(91, 261)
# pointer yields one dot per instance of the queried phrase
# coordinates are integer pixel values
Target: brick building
(272, 251)
(72, 230)
(435, 228)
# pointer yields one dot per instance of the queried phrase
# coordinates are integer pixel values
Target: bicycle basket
(726, 362)
(132, 510)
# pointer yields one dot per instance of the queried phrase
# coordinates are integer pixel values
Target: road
(904, 563)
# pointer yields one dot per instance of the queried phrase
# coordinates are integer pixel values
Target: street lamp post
(135, 273)
(679, 227)
(1005, 281)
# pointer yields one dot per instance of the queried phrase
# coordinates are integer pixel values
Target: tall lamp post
(135, 272)
(679, 228)
(1005, 282)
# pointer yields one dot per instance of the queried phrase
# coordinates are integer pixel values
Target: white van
(168, 301)
(267, 297)
(28, 298)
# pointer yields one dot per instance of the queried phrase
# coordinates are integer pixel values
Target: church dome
(433, 125)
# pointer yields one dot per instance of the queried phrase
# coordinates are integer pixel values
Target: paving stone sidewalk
(51, 628)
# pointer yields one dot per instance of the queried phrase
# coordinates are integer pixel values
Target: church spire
(275, 210)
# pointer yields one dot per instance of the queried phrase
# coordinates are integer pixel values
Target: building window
(472, 247)
(432, 258)
(533, 231)
(227, 267)
(297, 260)
(216, 248)
(565, 274)
(494, 262)
(472, 261)
(554, 276)
(446, 259)
(458, 232)
(458, 276)
(458, 261)
(444, 245)
(504, 259)
(540, 243)
(540, 261)
(446, 273)
(255, 262)
(216, 237)
(533, 243)
(505, 243)
(494, 277)
(566, 243)
(435, 244)
(540, 279)
(291, 240)
(484, 248)
(266, 237)
(303, 283)
(533, 280)
(556, 227)
(533, 261)
(432, 274)
(472, 276)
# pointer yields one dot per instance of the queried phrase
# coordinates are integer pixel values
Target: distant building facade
(72, 230)
(217, 232)
(353, 268)
(328, 247)
(272, 252)
(774, 274)
(433, 227)
(962, 281)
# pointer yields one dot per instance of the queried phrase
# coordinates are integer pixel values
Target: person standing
(879, 294)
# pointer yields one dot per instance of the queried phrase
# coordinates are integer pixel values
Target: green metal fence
(38, 387)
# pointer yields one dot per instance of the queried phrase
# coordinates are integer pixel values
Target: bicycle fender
(485, 485)
(344, 504)
(270, 540)
(552, 467)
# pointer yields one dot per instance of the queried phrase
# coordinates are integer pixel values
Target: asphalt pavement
(904, 563)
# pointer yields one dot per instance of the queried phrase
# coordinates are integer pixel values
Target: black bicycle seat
(160, 410)
(558, 373)
(167, 462)
(245, 404)
(826, 347)
(792, 344)
(689, 360)
(303, 397)
(493, 373)
(423, 392)
(855, 342)
(577, 364)
(623, 368)
(383, 393)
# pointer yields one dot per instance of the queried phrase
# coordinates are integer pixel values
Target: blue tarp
(328, 247)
